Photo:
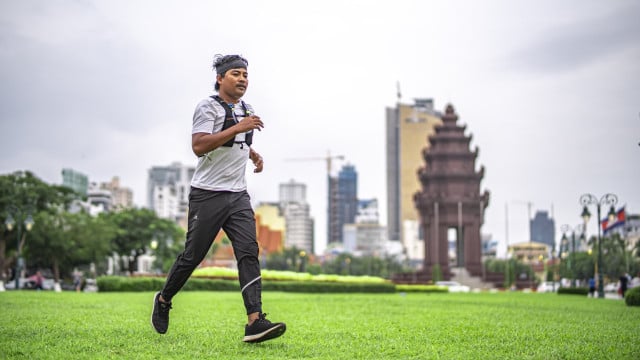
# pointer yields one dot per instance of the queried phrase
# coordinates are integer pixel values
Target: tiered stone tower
(450, 199)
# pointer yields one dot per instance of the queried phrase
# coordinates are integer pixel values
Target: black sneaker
(263, 329)
(160, 314)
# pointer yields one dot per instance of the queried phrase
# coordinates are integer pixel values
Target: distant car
(611, 287)
(548, 286)
(454, 286)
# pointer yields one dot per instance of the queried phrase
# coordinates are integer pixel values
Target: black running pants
(209, 211)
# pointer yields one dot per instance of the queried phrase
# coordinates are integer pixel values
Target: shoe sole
(268, 334)
(153, 311)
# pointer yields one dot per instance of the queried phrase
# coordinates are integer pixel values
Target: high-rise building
(344, 204)
(333, 229)
(100, 197)
(543, 229)
(168, 191)
(76, 181)
(293, 192)
(407, 128)
(299, 226)
(122, 197)
(298, 222)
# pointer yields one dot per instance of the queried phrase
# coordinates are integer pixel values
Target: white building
(293, 192)
(99, 200)
(366, 237)
(299, 225)
(413, 245)
(168, 191)
(367, 212)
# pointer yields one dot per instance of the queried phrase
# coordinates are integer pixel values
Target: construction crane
(327, 158)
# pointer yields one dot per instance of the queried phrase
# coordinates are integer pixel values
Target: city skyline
(548, 90)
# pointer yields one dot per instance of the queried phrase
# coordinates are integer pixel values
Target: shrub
(573, 291)
(421, 288)
(632, 296)
(281, 275)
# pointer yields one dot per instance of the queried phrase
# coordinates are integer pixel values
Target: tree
(583, 265)
(64, 240)
(136, 229)
(168, 248)
(284, 260)
(22, 192)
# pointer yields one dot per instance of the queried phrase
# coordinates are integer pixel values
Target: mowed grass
(210, 325)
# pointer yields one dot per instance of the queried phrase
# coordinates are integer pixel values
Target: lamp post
(28, 224)
(302, 254)
(562, 246)
(585, 201)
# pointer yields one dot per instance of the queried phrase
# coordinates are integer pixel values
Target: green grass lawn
(210, 325)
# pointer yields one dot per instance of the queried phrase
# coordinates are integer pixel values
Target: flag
(618, 221)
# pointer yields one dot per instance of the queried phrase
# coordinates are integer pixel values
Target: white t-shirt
(223, 168)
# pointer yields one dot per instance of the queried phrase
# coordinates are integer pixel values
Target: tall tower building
(344, 204)
(542, 228)
(168, 191)
(407, 128)
(298, 223)
(333, 229)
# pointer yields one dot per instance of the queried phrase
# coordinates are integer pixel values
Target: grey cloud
(581, 43)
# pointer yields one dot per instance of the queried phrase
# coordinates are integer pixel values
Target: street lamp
(28, 225)
(562, 248)
(585, 201)
(302, 260)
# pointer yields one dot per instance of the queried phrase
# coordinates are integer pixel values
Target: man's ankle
(252, 317)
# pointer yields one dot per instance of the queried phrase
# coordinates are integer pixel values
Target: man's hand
(251, 122)
(257, 160)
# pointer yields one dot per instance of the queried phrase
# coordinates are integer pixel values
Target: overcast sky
(550, 91)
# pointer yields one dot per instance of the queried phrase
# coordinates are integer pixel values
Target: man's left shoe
(160, 314)
(262, 329)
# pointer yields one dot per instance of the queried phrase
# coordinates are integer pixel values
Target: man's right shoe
(263, 329)
(160, 314)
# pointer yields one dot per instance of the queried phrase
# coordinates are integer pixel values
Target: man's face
(234, 83)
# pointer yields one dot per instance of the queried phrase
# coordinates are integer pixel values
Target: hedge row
(422, 288)
(121, 283)
(573, 291)
(328, 287)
